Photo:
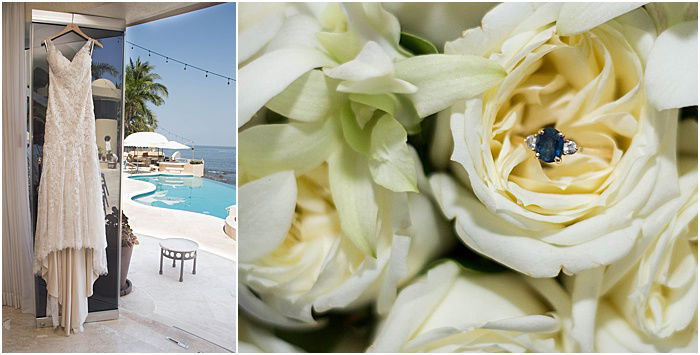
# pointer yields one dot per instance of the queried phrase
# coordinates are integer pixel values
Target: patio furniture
(171, 167)
(179, 249)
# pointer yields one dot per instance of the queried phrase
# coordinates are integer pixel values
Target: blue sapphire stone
(550, 145)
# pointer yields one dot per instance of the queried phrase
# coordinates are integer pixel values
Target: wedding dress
(70, 241)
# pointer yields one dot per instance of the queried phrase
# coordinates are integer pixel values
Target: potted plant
(128, 241)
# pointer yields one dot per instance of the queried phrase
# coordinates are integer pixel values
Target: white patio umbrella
(145, 139)
(173, 145)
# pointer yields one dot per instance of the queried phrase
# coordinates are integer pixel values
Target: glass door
(107, 92)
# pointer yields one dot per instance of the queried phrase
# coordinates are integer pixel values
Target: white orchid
(300, 257)
(359, 110)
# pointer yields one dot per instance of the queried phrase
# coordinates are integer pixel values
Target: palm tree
(142, 88)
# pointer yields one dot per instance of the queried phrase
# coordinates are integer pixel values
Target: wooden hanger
(74, 28)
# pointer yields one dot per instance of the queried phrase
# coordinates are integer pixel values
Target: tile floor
(203, 304)
(200, 311)
(130, 333)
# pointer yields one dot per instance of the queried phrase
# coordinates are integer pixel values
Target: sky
(199, 108)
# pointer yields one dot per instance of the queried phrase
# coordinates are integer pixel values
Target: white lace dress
(70, 241)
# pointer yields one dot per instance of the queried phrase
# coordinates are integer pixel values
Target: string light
(185, 65)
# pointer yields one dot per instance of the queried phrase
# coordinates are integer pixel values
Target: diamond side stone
(570, 147)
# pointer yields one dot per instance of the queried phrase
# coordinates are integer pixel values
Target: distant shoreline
(219, 161)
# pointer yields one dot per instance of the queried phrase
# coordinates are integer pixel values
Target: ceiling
(134, 13)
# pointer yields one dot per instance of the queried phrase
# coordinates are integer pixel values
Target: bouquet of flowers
(464, 177)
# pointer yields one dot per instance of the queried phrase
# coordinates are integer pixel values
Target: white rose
(601, 78)
(296, 259)
(255, 339)
(651, 294)
(615, 335)
(451, 309)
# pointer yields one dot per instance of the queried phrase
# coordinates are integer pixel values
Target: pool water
(188, 193)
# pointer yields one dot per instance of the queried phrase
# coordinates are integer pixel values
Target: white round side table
(179, 249)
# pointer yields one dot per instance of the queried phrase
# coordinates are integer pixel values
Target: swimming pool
(188, 193)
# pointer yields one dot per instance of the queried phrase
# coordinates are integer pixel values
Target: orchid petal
(258, 24)
(270, 74)
(354, 198)
(271, 198)
(391, 162)
(342, 46)
(357, 137)
(370, 63)
(300, 147)
(444, 79)
(298, 31)
(671, 75)
(312, 97)
(374, 24)
(377, 86)
(580, 17)
(384, 102)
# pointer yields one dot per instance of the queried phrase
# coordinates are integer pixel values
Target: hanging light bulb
(185, 67)
(149, 53)
(166, 59)
(206, 75)
(228, 82)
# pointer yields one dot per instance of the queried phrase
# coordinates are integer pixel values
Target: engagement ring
(549, 145)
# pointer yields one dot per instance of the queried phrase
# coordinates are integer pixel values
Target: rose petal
(252, 338)
(671, 75)
(257, 309)
(584, 301)
(580, 17)
(412, 307)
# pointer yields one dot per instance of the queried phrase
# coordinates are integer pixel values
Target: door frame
(97, 22)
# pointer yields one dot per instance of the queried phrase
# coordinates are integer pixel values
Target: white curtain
(17, 278)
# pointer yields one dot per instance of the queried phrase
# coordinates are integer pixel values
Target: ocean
(219, 162)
